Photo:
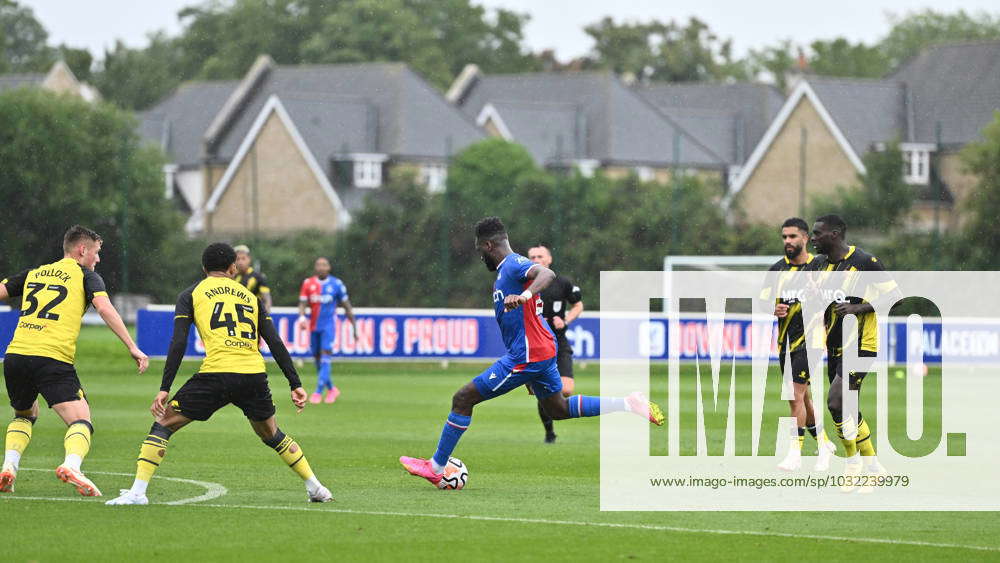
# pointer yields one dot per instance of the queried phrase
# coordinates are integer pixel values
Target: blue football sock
(453, 429)
(583, 405)
(323, 374)
(326, 364)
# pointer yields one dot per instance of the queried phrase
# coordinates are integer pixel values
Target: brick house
(293, 147)
(933, 105)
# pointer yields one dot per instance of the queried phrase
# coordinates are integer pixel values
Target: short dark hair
(834, 222)
(490, 228)
(76, 234)
(218, 257)
(796, 222)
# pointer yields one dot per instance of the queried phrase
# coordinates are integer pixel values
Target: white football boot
(128, 497)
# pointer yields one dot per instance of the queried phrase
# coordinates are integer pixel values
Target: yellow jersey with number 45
(53, 300)
(227, 316)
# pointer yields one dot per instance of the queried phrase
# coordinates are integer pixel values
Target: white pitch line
(652, 527)
(212, 490)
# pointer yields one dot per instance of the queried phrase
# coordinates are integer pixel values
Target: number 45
(221, 320)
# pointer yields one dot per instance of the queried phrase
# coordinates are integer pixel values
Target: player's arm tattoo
(541, 278)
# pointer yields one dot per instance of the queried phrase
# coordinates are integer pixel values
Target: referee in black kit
(559, 296)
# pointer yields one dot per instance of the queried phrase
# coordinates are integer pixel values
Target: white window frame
(587, 166)
(367, 170)
(434, 176)
(917, 162)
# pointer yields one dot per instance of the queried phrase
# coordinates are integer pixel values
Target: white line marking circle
(212, 490)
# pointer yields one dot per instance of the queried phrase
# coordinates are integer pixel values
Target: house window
(645, 173)
(916, 164)
(434, 177)
(368, 171)
(587, 167)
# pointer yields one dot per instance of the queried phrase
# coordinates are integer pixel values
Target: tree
(667, 51)
(83, 163)
(380, 30)
(982, 159)
(23, 39)
(80, 61)
(774, 62)
(138, 78)
(909, 35)
(915, 31)
(840, 57)
(222, 39)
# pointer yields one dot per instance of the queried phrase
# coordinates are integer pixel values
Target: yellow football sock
(850, 446)
(18, 434)
(801, 437)
(152, 452)
(290, 452)
(863, 440)
(77, 440)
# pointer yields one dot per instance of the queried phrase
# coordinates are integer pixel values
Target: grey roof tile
(729, 119)
(182, 117)
(611, 123)
(12, 81)
(865, 111)
(403, 116)
(956, 84)
(368, 107)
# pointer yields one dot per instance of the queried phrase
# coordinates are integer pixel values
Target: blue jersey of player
(525, 334)
(323, 297)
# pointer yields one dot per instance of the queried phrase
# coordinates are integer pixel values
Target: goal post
(677, 263)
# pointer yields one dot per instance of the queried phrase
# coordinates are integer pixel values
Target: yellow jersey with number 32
(227, 316)
(54, 298)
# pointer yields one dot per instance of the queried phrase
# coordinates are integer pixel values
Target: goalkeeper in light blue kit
(323, 293)
(530, 358)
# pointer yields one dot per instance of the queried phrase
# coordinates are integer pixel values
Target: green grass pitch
(525, 500)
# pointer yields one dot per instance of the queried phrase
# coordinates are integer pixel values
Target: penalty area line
(613, 525)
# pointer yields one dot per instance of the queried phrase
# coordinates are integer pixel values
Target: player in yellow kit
(229, 319)
(40, 356)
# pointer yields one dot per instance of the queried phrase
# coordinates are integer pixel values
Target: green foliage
(909, 35)
(668, 51)
(80, 61)
(982, 229)
(417, 249)
(773, 62)
(138, 78)
(82, 163)
(839, 57)
(916, 30)
(222, 39)
(880, 201)
(23, 39)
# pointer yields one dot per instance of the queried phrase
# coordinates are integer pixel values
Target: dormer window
(368, 170)
(916, 162)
